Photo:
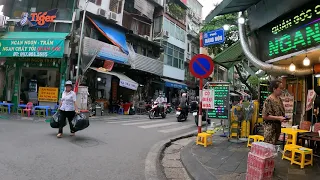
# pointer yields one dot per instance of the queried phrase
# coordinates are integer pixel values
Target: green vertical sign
(15, 94)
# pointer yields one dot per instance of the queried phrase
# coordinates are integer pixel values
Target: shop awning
(125, 81)
(32, 44)
(116, 36)
(230, 6)
(230, 56)
(174, 84)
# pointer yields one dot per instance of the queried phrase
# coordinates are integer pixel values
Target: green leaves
(231, 36)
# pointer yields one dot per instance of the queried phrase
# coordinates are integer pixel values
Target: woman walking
(273, 113)
(68, 108)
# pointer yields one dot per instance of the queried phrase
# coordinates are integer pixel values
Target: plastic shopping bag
(80, 122)
(55, 120)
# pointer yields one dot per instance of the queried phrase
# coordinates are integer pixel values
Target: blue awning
(116, 36)
(174, 84)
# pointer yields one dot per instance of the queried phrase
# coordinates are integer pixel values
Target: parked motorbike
(204, 115)
(182, 114)
(195, 110)
(157, 111)
(169, 108)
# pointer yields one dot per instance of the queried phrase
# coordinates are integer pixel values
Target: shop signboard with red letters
(208, 99)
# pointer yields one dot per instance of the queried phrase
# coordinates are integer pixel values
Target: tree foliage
(231, 36)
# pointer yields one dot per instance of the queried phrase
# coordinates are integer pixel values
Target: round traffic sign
(201, 66)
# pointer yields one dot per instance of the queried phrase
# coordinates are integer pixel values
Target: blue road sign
(201, 66)
(213, 37)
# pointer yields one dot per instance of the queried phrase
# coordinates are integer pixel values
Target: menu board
(221, 102)
(264, 93)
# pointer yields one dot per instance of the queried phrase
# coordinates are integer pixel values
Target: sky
(208, 6)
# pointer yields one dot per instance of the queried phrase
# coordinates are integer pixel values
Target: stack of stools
(260, 164)
(297, 155)
(204, 139)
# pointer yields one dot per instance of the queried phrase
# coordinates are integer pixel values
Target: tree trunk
(244, 81)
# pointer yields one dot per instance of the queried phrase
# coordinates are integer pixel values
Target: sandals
(59, 135)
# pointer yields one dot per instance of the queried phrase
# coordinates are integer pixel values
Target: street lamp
(226, 27)
(241, 20)
(81, 38)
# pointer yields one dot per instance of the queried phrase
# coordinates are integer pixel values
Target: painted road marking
(159, 125)
(146, 122)
(177, 128)
(123, 121)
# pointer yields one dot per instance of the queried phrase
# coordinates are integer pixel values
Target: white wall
(172, 72)
(105, 4)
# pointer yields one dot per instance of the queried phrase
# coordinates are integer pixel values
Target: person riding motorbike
(160, 100)
(184, 103)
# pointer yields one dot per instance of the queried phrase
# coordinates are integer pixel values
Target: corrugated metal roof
(147, 64)
(230, 56)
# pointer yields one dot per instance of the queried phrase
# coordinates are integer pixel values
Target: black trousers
(63, 116)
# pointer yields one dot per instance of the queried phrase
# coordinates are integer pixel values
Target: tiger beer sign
(38, 19)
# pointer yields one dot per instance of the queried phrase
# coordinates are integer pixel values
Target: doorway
(33, 78)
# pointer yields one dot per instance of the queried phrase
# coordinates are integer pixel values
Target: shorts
(272, 132)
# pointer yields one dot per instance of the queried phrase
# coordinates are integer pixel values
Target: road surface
(110, 149)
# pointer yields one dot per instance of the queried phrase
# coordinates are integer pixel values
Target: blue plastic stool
(121, 111)
(114, 110)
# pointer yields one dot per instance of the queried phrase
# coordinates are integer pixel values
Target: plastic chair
(316, 127)
(121, 111)
(301, 160)
(305, 125)
(255, 138)
(54, 110)
(4, 109)
(28, 109)
(204, 139)
(289, 148)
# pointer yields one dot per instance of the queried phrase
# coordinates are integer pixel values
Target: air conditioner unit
(165, 34)
(146, 36)
(113, 16)
(101, 12)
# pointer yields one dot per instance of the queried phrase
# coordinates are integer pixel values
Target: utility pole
(80, 43)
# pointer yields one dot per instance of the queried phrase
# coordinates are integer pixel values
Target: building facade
(35, 50)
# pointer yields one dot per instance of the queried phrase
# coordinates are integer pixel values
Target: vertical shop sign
(114, 88)
(208, 99)
(310, 98)
(288, 103)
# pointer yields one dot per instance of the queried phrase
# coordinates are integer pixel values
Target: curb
(153, 168)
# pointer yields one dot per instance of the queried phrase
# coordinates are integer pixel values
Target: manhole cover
(86, 142)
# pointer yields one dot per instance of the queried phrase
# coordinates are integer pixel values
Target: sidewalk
(228, 161)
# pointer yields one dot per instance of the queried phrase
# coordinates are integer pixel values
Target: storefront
(174, 89)
(111, 87)
(292, 41)
(35, 67)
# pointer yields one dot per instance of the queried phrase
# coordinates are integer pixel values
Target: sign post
(213, 37)
(201, 66)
